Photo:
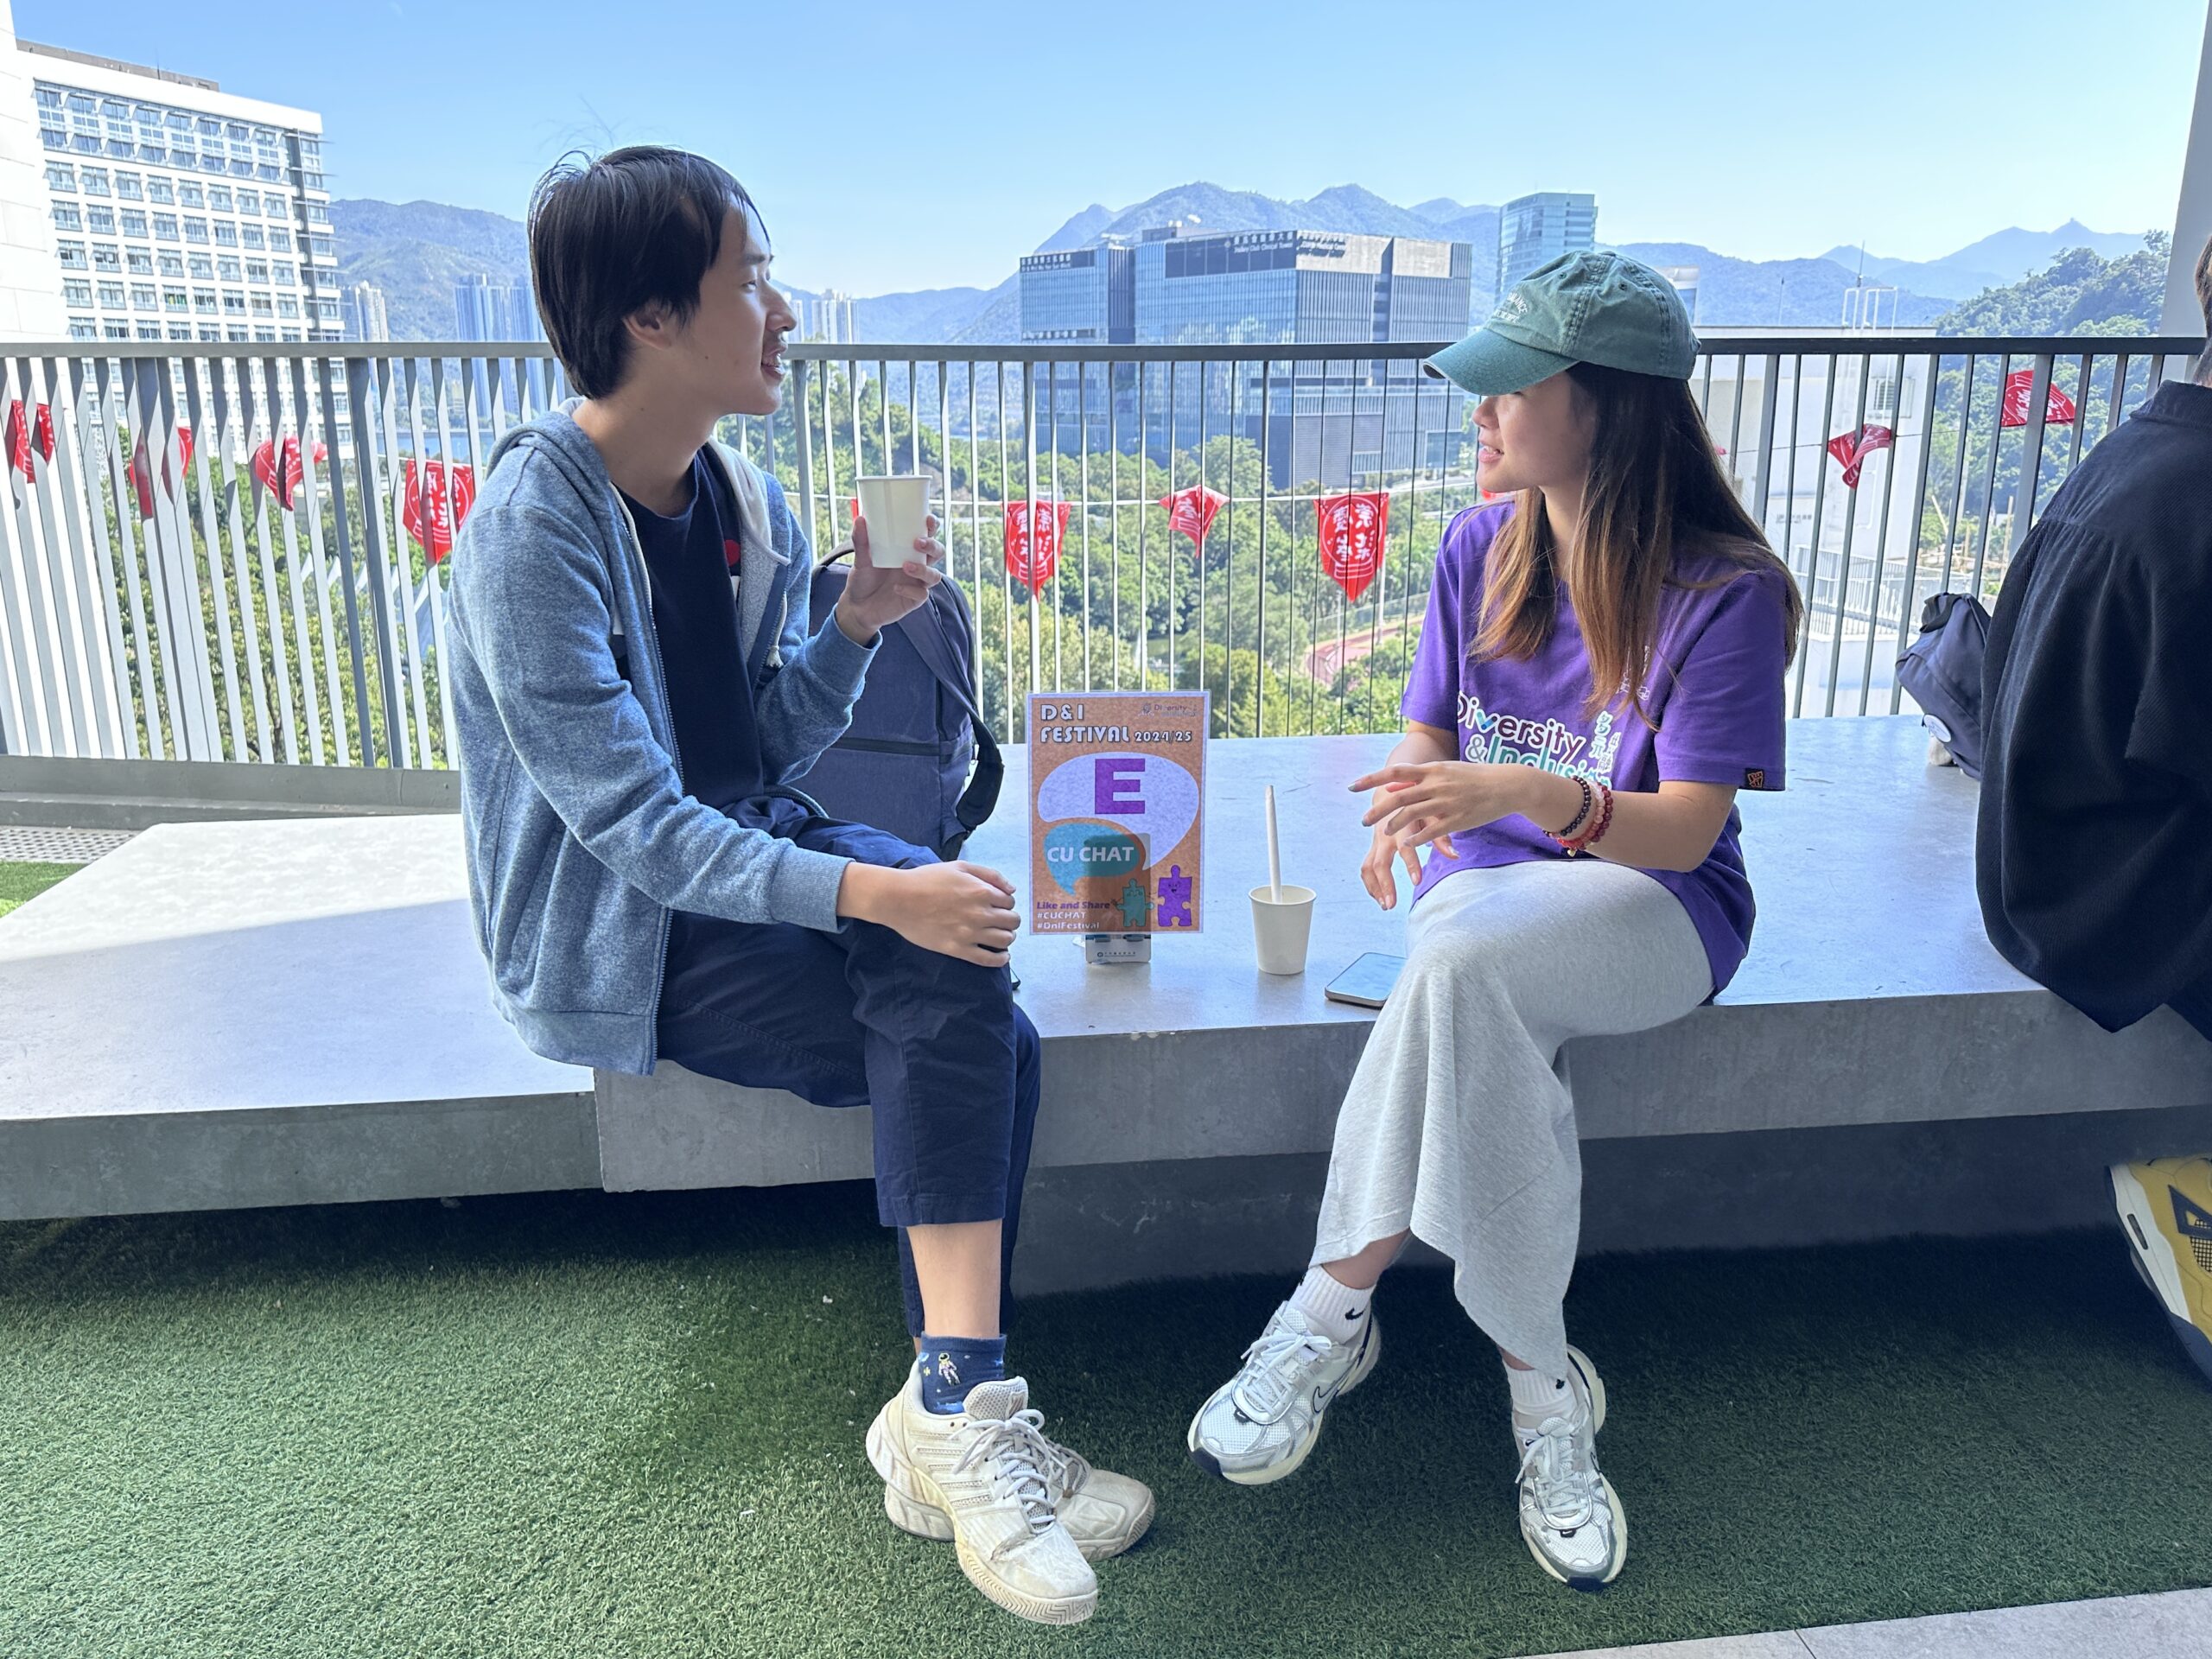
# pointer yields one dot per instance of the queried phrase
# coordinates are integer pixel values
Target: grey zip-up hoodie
(581, 839)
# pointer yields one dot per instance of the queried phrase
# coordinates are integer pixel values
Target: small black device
(1367, 983)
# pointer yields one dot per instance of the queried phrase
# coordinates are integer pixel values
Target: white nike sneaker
(1571, 1517)
(1258, 1426)
(983, 1469)
(1104, 1512)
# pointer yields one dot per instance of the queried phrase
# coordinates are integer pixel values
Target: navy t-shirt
(693, 560)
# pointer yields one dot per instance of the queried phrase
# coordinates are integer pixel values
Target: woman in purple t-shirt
(1600, 671)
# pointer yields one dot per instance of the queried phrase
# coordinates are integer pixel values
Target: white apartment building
(178, 210)
(367, 315)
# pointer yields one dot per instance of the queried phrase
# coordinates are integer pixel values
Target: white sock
(1536, 1396)
(1337, 1311)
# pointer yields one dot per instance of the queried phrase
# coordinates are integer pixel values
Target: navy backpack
(1943, 671)
(903, 764)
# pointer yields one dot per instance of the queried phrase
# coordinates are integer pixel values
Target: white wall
(2193, 216)
(30, 280)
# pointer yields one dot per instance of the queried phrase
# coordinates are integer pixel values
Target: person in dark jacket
(2094, 851)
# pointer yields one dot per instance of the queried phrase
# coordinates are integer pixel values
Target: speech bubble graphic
(1085, 850)
(1147, 794)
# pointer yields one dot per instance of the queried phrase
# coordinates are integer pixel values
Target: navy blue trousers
(934, 1044)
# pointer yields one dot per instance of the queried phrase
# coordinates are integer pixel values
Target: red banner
(1852, 449)
(21, 436)
(1033, 530)
(1191, 510)
(1353, 532)
(431, 512)
(2057, 408)
(142, 471)
(284, 483)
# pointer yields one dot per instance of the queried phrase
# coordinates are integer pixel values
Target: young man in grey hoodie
(637, 687)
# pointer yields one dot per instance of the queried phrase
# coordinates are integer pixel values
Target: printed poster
(1118, 791)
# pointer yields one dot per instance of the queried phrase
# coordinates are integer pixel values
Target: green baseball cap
(1580, 307)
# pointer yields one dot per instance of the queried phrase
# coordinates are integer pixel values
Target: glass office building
(1534, 230)
(1333, 422)
(1084, 296)
(1081, 297)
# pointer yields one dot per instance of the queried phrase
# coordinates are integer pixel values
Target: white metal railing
(161, 597)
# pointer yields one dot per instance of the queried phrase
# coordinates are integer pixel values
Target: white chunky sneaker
(1104, 1512)
(1571, 1517)
(983, 1469)
(1258, 1426)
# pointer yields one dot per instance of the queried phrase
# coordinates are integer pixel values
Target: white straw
(1274, 851)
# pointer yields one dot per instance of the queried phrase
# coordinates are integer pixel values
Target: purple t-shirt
(1716, 694)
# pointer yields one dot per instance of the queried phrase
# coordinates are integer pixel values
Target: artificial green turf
(20, 883)
(587, 1425)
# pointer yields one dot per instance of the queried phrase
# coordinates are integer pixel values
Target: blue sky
(914, 145)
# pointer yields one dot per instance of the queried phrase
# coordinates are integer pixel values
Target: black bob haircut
(638, 226)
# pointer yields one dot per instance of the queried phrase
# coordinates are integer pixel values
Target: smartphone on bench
(1367, 983)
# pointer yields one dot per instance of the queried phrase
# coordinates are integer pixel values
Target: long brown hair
(1655, 489)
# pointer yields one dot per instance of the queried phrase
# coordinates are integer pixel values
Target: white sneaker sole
(1067, 1610)
(1273, 1472)
(2154, 1257)
(1583, 1581)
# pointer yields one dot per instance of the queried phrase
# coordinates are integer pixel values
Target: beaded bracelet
(1591, 837)
(1581, 815)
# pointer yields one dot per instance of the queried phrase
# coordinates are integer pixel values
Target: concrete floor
(2176, 1625)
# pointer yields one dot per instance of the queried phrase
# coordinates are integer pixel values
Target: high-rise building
(181, 210)
(1083, 295)
(30, 281)
(1332, 422)
(1534, 230)
(487, 309)
(366, 315)
(828, 317)
(1684, 280)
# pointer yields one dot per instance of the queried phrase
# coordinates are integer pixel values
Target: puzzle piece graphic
(1175, 898)
(1136, 907)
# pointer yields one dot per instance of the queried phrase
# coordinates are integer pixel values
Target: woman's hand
(1378, 870)
(874, 598)
(1418, 804)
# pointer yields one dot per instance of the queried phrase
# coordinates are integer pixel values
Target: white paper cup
(897, 511)
(1279, 927)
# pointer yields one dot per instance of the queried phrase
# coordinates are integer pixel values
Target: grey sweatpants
(1460, 1123)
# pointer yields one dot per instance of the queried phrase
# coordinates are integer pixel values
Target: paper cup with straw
(1282, 917)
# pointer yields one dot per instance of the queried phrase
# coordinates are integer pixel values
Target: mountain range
(415, 250)
(1991, 262)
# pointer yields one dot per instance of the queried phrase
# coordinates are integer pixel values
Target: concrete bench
(287, 1011)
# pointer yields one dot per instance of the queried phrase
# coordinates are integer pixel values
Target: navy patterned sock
(952, 1365)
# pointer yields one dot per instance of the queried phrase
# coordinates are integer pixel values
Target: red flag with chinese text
(1191, 510)
(22, 433)
(283, 480)
(1852, 449)
(2057, 409)
(1033, 531)
(1352, 529)
(431, 511)
(142, 471)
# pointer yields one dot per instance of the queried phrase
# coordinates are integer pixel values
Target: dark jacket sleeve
(2094, 846)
